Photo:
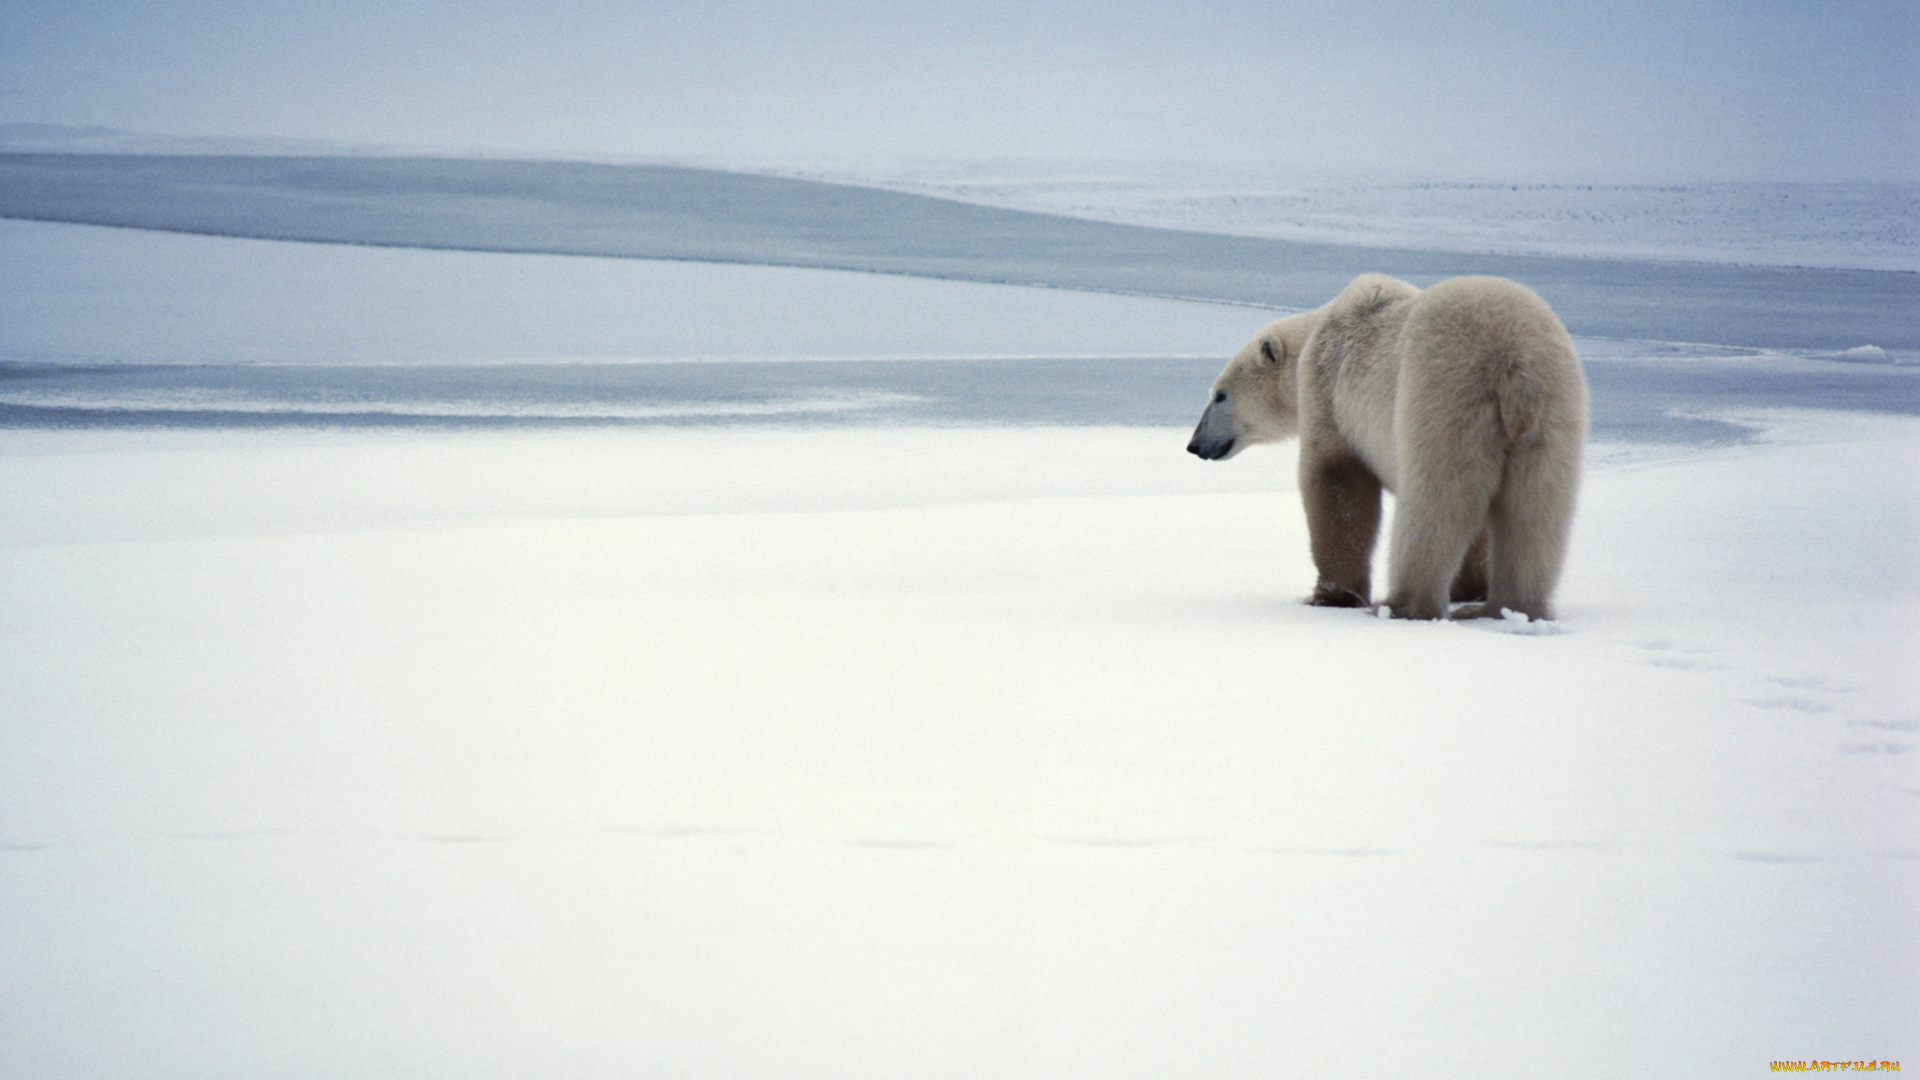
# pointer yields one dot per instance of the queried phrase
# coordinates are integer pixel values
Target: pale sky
(1491, 89)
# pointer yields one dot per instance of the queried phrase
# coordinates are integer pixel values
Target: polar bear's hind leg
(1470, 584)
(1529, 523)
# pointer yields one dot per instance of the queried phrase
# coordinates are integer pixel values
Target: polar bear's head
(1255, 399)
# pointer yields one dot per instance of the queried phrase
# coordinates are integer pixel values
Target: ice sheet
(112, 327)
(662, 212)
(1858, 225)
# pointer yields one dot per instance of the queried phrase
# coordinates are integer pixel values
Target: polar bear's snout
(1217, 435)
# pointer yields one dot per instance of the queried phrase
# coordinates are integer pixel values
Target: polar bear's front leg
(1342, 498)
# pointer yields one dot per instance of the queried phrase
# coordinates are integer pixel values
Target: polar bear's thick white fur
(1465, 400)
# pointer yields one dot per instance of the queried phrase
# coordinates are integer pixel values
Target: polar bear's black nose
(1209, 449)
(1214, 436)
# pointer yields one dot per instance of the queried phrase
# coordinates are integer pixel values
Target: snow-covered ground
(964, 752)
(902, 749)
(1864, 226)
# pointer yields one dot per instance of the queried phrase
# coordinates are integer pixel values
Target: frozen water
(114, 327)
(765, 671)
(659, 212)
(1866, 226)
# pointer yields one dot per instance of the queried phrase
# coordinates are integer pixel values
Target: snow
(963, 752)
(1857, 225)
(923, 745)
(1871, 354)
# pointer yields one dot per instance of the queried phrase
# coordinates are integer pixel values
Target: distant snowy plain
(372, 715)
(1864, 226)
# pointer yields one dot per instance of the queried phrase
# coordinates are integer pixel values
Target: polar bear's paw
(1330, 594)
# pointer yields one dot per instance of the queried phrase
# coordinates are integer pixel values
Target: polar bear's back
(1472, 341)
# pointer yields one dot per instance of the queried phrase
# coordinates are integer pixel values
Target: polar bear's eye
(1219, 396)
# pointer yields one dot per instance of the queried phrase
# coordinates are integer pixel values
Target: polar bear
(1465, 400)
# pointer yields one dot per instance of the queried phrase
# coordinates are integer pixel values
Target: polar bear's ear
(1268, 353)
